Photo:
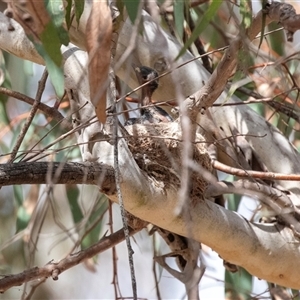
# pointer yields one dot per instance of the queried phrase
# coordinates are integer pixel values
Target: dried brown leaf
(98, 41)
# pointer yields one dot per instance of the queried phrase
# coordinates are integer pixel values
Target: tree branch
(233, 237)
(254, 174)
(50, 112)
(216, 84)
(58, 173)
(243, 118)
(53, 269)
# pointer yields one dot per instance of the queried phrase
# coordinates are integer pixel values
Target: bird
(149, 114)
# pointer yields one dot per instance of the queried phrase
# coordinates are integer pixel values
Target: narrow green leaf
(93, 236)
(263, 25)
(246, 13)
(238, 285)
(55, 72)
(51, 43)
(56, 76)
(68, 13)
(23, 218)
(79, 7)
(73, 197)
(57, 14)
(18, 194)
(277, 39)
(6, 83)
(233, 202)
(179, 16)
(132, 7)
(240, 77)
(239, 80)
(201, 25)
(54, 8)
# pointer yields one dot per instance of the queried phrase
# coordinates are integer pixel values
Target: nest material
(157, 149)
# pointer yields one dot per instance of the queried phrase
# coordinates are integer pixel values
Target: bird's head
(145, 74)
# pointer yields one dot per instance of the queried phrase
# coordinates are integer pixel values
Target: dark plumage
(151, 114)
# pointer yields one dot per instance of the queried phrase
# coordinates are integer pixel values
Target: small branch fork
(52, 269)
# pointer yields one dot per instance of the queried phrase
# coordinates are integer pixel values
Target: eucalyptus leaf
(246, 13)
(277, 39)
(57, 14)
(68, 13)
(51, 43)
(23, 218)
(5, 82)
(93, 235)
(238, 285)
(79, 7)
(55, 71)
(179, 17)
(263, 24)
(201, 25)
(73, 197)
(132, 8)
(233, 202)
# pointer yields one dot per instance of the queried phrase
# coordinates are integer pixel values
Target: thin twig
(53, 269)
(255, 174)
(154, 263)
(63, 136)
(33, 288)
(71, 130)
(114, 122)
(115, 280)
(122, 209)
(50, 112)
(41, 88)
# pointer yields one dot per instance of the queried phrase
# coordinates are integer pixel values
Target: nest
(157, 149)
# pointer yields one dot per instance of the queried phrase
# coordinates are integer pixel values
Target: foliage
(266, 75)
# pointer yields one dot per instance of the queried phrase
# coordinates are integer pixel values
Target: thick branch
(222, 230)
(191, 78)
(58, 173)
(273, 249)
